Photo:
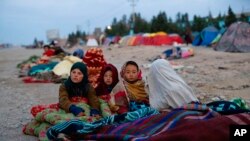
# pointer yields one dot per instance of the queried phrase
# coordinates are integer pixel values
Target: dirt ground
(213, 76)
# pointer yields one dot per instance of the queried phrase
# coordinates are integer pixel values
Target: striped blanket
(214, 129)
(184, 120)
(81, 127)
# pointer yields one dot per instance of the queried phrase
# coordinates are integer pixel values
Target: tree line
(162, 22)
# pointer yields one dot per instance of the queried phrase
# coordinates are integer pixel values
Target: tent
(236, 38)
(206, 36)
(176, 38)
(92, 42)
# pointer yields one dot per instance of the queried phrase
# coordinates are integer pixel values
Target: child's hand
(77, 111)
(94, 112)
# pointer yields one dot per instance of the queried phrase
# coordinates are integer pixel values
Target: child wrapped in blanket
(111, 91)
(135, 86)
(78, 87)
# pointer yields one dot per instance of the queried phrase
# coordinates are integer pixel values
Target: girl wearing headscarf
(78, 89)
(166, 88)
(107, 80)
(110, 91)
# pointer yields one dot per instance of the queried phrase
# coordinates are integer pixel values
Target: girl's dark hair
(132, 63)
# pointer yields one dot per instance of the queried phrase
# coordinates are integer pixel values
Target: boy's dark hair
(132, 63)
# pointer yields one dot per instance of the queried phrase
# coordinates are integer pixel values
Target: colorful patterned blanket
(79, 127)
(46, 116)
(143, 128)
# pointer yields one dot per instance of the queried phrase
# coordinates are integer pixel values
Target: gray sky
(23, 20)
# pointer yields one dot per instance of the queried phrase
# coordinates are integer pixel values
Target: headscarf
(79, 53)
(166, 87)
(78, 89)
(102, 88)
(136, 90)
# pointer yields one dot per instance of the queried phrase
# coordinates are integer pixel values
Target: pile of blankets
(192, 122)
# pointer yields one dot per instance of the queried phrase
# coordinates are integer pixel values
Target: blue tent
(206, 36)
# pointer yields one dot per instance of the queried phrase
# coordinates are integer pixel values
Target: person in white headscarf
(166, 88)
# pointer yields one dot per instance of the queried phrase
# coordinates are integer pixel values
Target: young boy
(134, 85)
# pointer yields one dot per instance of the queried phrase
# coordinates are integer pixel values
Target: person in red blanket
(48, 51)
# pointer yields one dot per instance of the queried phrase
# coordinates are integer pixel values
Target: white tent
(92, 42)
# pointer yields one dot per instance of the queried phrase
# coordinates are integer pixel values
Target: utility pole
(88, 25)
(133, 16)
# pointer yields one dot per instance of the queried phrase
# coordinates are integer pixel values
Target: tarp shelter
(176, 38)
(235, 39)
(206, 36)
(151, 39)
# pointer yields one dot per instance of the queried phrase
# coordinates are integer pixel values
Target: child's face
(76, 75)
(131, 73)
(108, 77)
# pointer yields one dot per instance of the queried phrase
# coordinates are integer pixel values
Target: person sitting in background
(48, 52)
(77, 86)
(166, 88)
(44, 59)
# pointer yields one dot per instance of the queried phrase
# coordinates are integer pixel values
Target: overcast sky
(23, 20)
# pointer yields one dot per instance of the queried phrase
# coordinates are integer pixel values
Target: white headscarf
(166, 87)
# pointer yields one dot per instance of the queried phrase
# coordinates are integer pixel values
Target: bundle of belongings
(175, 53)
(52, 70)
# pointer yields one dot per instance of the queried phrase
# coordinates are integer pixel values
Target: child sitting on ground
(134, 85)
(107, 81)
(78, 89)
(48, 52)
(110, 91)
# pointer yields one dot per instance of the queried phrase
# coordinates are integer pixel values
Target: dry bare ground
(213, 75)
